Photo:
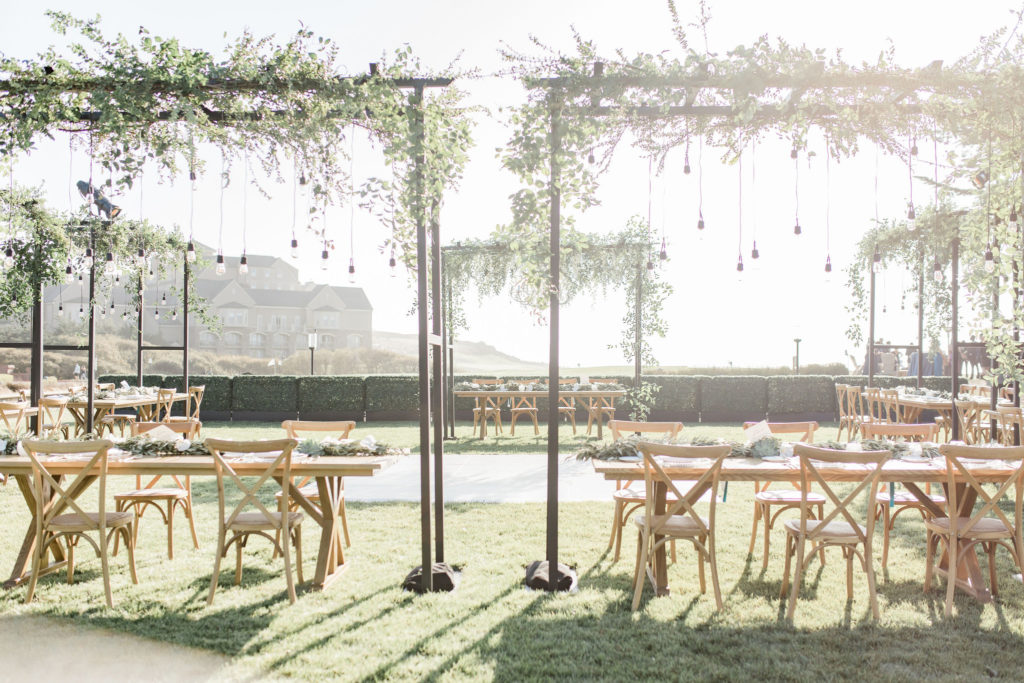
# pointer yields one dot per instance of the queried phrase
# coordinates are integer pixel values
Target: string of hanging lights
(700, 184)
(795, 156)
(243, 262)
(828, 211)
(990, 262)
(352, 207)
(190, 251)
(911, 216)
(739, 261)
(220, 268)
(754, 253)
(392, 263)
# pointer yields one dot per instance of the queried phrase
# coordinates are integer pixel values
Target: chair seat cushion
(985, 526)
(257, 521)
(833, 531)
(905, 498)
(74, 522)
(169, 493)
(785, 497)
(676, 525)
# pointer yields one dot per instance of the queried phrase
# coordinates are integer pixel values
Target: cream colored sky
(714, 317)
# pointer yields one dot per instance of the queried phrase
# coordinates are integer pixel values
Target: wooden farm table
(969, 579)
(101, 407)
(327, 472)
(493, 399)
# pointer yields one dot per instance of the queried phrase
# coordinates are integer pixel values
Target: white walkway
(505, 478)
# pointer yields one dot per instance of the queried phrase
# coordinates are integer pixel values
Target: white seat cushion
(257, 521)
(677, 525)
(986, 525)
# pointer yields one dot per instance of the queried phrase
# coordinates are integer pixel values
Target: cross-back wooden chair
(847, 411)
(627, 497)
(192, 405)
(242, 525)
(164, 499)
(13, 416)
(839, 527)
(51, 417)
(306, 487)
(1009, 417)
(680, 519)
(875, 407)
(988, 526)
(487, 408)
(58, 516)
(567, 404)
(164, 402)
(524, 405)
(767, 499)
(889, 504)
(600, 408)
(968, 412)
(891, 406)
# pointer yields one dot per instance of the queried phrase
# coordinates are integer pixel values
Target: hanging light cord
(796, 188)
(753, 187)
(220, 227)
(876, 183)
(910, 172)
(650, 170)
(245, 197)
(988, 200)
(295, 196)
(700, 176)
(71, 171)
(741, 204)
(352, 194)
(828, 197)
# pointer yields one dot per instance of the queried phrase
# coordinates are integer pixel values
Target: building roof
(354, 297)
(286, 298)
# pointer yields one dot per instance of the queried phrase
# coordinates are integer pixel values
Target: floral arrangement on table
(768, 447)
(145, 447)
(120, 392)
(925, 393)
(8, 444)
(512, 385)
(366, 447)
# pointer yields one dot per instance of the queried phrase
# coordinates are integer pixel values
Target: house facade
(265, 313)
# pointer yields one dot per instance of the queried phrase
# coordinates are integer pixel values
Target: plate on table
(775, 458)
(916, 458)
(631, 458)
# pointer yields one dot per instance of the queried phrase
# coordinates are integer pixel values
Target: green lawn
(365, 627)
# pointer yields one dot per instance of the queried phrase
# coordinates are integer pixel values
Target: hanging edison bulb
(88, 256)
(650, 264)
(163, 299)
(937, 270)
(190, 252)
(990, 261)
(797, 230)
(590, 157)
(911, 219)
(69, 274)
(103, 311)
(112, 309)
(663, 254)
(686, 163)
(700, 220)
(174, 314)
(109, 266)
(243, 265)
(156, 314)
(351, 270)
(754, 253)
(828, 263)
(793, 153)
(9, 257)
(1013, 218)
(140, 258)
(220, 264)
(739, 264)
(876, 262)
(295, 248)
(60, 310)
(393, 263)
(323, 259)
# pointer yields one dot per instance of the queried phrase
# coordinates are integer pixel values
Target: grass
(366, 628)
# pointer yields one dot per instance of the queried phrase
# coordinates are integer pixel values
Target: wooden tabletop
(755, 469)
(199, 465)
(122, 401)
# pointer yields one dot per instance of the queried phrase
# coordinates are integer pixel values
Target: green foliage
(275, 395)
(800, 395)
(640, 400)
(218, 396)
(678, 397)
(332, 398)
(733, 398)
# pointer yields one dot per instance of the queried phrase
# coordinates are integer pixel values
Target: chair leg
(785, 571)
(929, 558)
(216, 562)
(572, 418)
(798, 572)
(71, 561)
(344, 523)
(869, 569)
(766, 516)
(287, 552)
(848, 553)
(700, 566)
(512, 423)
(641, 574)
(821, 515)
(191, 521)
(616, 528)
(757, 518)
(536, 425)
(170, 529)
(37, 566)
(238, 562)
(131, 553)
(298, 552)
(713, 561)
(951, 571)
(105, 564)
(887, 526)
(991, 551)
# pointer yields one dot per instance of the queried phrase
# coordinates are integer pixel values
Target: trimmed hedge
(392, 396)
(265, 397)
(678, 399)
(332, 398)
(801, 396)
(733, 398)
(216, 397)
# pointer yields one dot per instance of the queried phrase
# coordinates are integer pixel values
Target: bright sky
(715, 318)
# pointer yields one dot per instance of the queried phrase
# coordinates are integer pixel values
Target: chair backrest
(195, 399)
(164, 400)
(805, 429)
(868, 463)
(51, 413)
(928, 431)
(279, 468)
(187, 428)
(957, 471)
(13, 416)
(679, 502)
(891, 405)
(487, 382)
(875, 405)
(1009, 416)
(843, 402)
(621, 428)
(969, 414)
(62, 496)
(106, 386)
(296, 429)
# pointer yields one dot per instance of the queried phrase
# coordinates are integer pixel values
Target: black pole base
(445, 579)
(538, 577)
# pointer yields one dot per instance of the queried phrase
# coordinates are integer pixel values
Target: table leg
(22, 564)
(79, 415)
(660, 561)
(330, 560)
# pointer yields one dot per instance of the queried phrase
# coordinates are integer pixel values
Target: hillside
(470, 357)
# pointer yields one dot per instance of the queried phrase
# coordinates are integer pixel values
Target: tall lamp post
(796, 358)
(312, 350)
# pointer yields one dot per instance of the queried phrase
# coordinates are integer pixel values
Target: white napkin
(162, 433)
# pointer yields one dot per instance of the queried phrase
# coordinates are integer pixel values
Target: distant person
(78, 371)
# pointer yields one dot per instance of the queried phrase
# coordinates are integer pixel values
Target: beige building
(265, 313)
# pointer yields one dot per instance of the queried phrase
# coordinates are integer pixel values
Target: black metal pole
(871, 328)
(91, 388)
(993, 426)
(36, 368)
(1016, 334)
(184, 328)
(139, 326)
(437, 397)
(555, 266)
(638, 331)
(920, 321)
(954, 351)
(796, 358)
(312, 349)
(416, 120)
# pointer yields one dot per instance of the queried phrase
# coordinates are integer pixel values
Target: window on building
(233, 339)
(280, 341)
(256, 339)
(327, 341)
(328, 321)
(235, 317)
(355, 341)
(207, 339)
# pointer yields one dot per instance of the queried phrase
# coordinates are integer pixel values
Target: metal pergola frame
(901, 85)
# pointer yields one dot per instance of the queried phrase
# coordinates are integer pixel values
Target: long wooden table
(590, 400)
(327, 472)
(144, 404)
(970, 578)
